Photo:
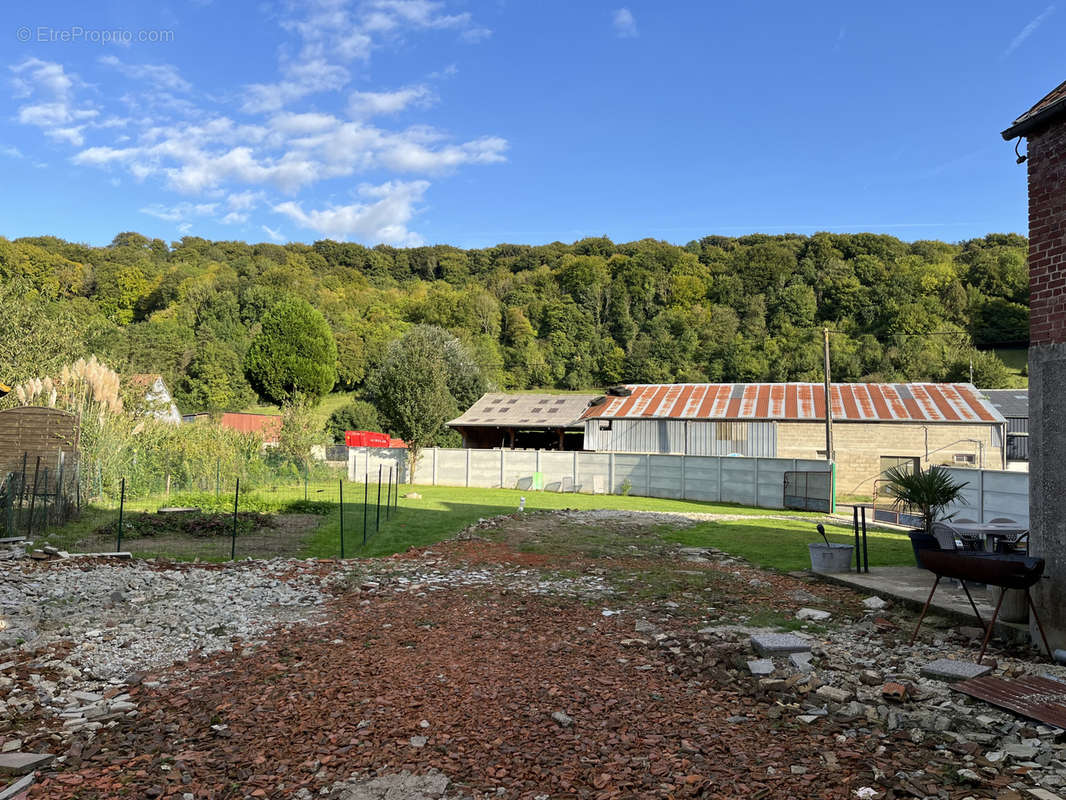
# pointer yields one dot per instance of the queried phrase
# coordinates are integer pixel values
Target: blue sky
(473, 123)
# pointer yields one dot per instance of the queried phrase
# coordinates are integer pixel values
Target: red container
(376, 439)
(397, 443)
(366, 439)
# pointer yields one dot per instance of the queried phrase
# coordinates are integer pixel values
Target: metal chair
(946, 536)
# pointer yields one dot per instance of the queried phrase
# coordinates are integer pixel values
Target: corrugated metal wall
(756, 439)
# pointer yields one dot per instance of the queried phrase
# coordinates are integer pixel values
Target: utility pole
(828, 402)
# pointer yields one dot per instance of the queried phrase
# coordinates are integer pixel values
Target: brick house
(1044, 128)
(876, 426)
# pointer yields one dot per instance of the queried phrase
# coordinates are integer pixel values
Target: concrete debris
(813, 614)
(947, 669)
(779, 644)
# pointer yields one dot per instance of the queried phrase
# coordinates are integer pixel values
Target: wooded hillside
(567, 316)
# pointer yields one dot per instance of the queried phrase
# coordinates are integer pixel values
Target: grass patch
(442, 511)
(782, 544)
(1016, 360)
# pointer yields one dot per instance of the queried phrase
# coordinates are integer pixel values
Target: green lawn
(443, 511)
(782, 544)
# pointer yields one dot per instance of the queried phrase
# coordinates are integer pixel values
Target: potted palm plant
(926, 493)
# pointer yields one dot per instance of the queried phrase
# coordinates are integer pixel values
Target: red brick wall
(1047, 234)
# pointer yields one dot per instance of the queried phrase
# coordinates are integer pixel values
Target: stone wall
(859, 447)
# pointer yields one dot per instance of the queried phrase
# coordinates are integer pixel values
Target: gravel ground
(481, 669)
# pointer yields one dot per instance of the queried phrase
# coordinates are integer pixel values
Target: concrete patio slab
(948, 669)
(911, 585)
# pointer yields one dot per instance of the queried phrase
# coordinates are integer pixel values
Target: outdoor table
(990, 533)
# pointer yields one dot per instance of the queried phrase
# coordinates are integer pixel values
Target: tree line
(567, 316)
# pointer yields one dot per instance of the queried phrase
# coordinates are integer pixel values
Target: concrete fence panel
(558, 470)
(593, 473)
(518, 468)
(452, 467)
(484, 468)
(770, 482)
(739, 476)
(703, 475)
(630, 470)
(992, 494)
(666, 475)
(746, 481)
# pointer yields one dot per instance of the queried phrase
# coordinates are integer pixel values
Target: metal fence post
(366, 502)
(9, 512)
(233, 540)
(341, 487)
(377, 521)
(396, 499)
(855, 525)
(45, 506)
(33, 498)
(121, 509)
(865, 554)
(388, 498)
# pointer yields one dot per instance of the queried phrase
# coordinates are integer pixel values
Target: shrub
(293, 359)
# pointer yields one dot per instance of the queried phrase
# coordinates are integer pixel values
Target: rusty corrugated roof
(852, 402)
(1032, 696)
(496, 410)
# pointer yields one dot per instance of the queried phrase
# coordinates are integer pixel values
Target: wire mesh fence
(267, 513)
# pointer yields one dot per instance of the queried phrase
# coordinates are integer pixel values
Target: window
(907, 463)
(966, 459)
(731, 431)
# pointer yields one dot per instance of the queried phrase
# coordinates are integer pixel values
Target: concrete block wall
(859, 446)
(745, 481)
(991, 494)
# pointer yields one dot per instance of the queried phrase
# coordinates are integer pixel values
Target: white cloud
(277, 236)
(36, 75)
(49, 91)
(164, 76)
(301, 80)
(382, 219)
(1028, 30)
(625, 24)
(475, 35)
(231, 167)
(10, 151)
(302, 124)
(368, 104)
(180, 212)
(70, 135)
(333, 34)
